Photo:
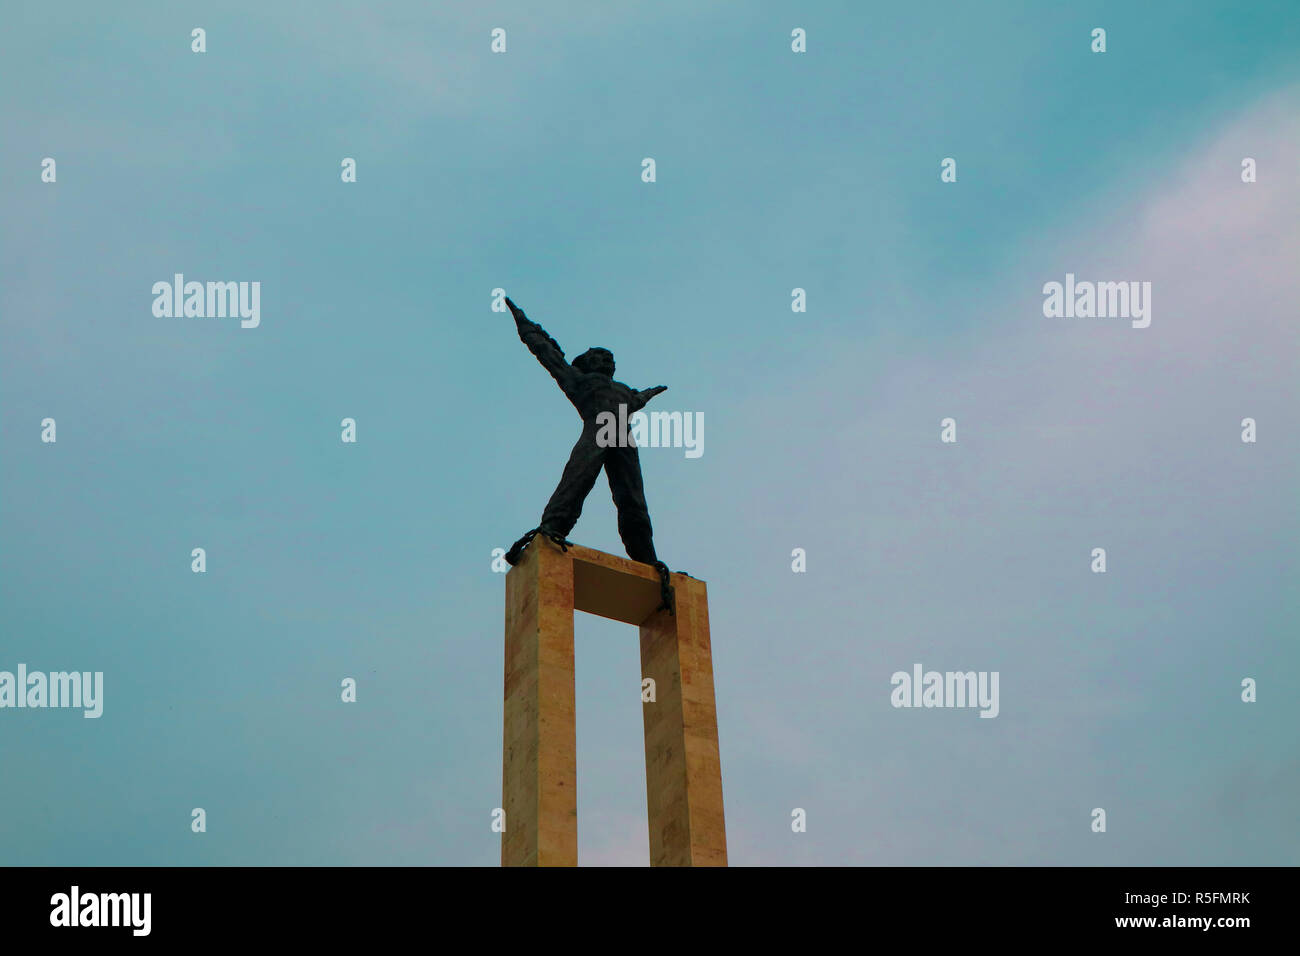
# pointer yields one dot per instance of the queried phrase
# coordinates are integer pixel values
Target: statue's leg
(565, 506)
(623, 469)
(580, 473)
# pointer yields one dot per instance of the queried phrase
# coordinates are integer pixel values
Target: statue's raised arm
(545, 348)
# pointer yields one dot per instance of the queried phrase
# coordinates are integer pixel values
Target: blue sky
(774, 171)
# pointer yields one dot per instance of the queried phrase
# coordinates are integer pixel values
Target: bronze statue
(588, 382)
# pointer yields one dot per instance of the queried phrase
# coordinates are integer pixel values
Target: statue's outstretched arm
(644, 395)
(545, 348)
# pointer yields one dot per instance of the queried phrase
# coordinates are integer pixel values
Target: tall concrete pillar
(539, 767)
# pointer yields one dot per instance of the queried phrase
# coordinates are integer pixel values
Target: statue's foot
(666, 593)
(556, 537)
(517, 549)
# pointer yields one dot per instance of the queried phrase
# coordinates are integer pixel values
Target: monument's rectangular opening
(611, 763)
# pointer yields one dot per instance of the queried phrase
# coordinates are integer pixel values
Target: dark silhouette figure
(589, 384)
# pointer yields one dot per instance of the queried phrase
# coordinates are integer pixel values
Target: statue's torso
(594, 394)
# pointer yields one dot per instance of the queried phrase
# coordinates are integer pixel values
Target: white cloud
(1072, 433)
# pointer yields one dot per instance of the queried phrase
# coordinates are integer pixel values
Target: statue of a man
(588, 382)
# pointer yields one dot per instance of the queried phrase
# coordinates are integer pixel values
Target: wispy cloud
(1072, 434)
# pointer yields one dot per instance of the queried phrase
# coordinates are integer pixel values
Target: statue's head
(598, 360)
